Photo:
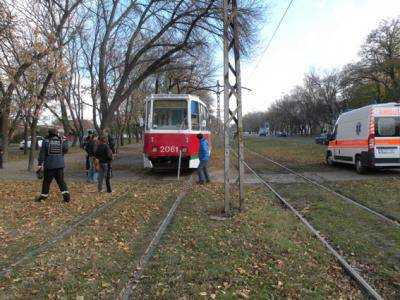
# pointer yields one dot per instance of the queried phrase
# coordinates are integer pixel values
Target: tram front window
(170, 114)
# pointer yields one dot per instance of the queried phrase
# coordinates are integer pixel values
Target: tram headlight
(154, 149)
(184, 149)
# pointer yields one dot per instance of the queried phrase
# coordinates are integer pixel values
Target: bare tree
(142, 39)
(43, 29)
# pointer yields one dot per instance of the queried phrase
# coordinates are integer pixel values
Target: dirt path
(127, 165)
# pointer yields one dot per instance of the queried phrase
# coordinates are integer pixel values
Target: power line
(273, 35)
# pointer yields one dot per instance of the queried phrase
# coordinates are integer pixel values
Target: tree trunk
(25, 136)
(121, 137)
(5, 125)
(128, 129)
(31, 160)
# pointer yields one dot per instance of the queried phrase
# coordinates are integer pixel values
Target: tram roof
(174, 97)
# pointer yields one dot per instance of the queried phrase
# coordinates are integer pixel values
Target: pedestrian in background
(51, 161)
(1, 157)
(90, 150)
(111, 143)
(204, 156)
(87, 163)
(104, 155)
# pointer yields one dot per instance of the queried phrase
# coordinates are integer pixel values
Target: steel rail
(127, 291)
(385, 218)
(349, 269)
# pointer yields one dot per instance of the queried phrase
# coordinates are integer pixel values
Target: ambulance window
(387, 126)
(334, 134)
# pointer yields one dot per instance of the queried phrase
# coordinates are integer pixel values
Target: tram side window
(204, 118)
(195, 113)
(148, 114)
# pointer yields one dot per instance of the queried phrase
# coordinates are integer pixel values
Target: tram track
(127, 291)
(353, 273)
(63, 233)
(384, 217)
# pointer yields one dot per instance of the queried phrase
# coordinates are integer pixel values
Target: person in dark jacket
(104, 155)
(1, 157)
(204, 156)
(87, 163)
(51, 161)
(90, 149)
(111, 143)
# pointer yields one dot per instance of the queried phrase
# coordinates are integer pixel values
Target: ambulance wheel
(360, 169)
(329, 159)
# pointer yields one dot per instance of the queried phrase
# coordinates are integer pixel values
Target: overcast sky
(316, 34)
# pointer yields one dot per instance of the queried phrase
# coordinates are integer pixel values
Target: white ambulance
(367, 137)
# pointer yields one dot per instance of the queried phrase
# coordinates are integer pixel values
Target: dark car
(281, 134)
(322, 139)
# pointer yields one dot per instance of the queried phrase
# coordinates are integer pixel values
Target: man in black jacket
(104, 155)
(1, 157)
(51, 161)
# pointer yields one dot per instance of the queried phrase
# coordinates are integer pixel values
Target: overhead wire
(273, 35)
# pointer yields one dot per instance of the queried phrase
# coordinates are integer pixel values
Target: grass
(380, 194)
(369, 244)
(299, 153)
(262, 253)
(25, 224)
(97, 260)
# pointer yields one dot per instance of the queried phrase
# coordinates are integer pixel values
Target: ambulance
(367, 137)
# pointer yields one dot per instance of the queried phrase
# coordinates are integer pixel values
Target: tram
(172, 122)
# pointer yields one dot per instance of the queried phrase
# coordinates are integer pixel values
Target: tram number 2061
(167, 149)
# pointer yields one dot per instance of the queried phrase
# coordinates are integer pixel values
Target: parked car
(367, 137)
(39, 141)
(322, 139)
(281, 134)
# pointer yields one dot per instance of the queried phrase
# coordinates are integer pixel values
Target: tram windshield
(170, 114)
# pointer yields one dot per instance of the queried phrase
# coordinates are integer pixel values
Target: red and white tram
(171, 125)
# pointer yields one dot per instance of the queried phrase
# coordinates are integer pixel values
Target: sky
(316, 35)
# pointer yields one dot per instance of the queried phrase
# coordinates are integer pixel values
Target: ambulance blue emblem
(358, 128)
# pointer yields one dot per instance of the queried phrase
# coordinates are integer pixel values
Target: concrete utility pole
(232, 70)
(218, 109)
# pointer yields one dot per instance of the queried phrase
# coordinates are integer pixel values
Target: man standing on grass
(104, 155)
(204, 156)
(51, 161)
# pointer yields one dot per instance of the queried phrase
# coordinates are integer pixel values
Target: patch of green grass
(264, 252)
(368, 243)
(299, 153)
(380, 194)
(97, 260)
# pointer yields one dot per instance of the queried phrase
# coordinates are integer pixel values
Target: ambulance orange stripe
(381, 142)
(363, 143)
(348, 144)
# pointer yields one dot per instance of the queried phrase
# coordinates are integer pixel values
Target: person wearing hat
(51, 161)
(204, 156)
